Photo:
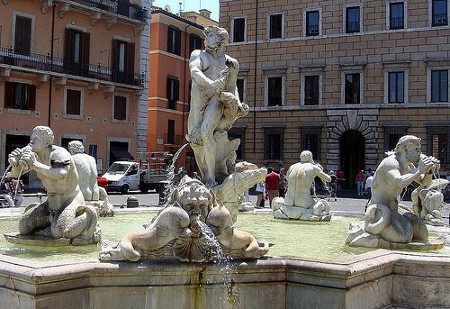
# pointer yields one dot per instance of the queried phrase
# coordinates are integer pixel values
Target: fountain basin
(378, 279)
(374, 279)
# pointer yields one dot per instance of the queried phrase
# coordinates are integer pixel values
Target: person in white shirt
(368, 188)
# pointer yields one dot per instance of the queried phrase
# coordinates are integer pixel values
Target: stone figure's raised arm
(325, 177)
(60, 162)
(417, 174)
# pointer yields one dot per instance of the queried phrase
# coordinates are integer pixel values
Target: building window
(274, 91)
(396, 87)
(20, 96)
(170, 131)
(439, 13)
(439, 143)
(312, 23)
(120, 108)
(173, 92)
(439, 147)
(273, 144)
(238, 31)
(123, 61)
(73, 102)
(238, 133)
(352, 88)
(76, 52)
(22, 35)
(352, 23)
(240, 83)
(311, 90)
(173, 41)
(392, 134)
(276, 26)
(93, 150)
(396, 15)
(439, 86)
(310, 140)
(195, 42)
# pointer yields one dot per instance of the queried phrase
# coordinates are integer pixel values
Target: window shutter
(130, 60)
(115, 56)
(31, 97)
(8, 94)
(85, 53)
(68, 45)
(178, 42)
(22, 39)
(176, 90)
(170, 32)
(168, 89)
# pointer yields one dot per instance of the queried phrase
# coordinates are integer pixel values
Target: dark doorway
(13, 142)
(118, 151)
(352, 154)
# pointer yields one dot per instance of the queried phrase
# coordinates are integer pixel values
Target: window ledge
(19, 111)
(119, 121)
(75, 117)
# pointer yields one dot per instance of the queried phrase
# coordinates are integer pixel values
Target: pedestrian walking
(333, 185)
(369, 181)
(360, 183)
(272, 181)
(260, 194)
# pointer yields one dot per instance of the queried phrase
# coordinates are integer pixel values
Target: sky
(191, 5)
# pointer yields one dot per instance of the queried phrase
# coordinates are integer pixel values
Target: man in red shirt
(272, 180)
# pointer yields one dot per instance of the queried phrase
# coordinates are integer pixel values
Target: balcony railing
(173, 139)
(123, 8)
(59, 65)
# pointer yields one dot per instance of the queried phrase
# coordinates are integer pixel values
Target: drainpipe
(50, 86)
(254, 80)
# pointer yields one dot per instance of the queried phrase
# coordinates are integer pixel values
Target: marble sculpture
(298, 203)
(428, 202)
(194, 226)
(388, 223)
(94, 195)
(64, 214)
(197, 223)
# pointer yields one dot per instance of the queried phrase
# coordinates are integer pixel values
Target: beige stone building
(343, 79)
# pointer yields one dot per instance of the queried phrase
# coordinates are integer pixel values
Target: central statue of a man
(215, 106)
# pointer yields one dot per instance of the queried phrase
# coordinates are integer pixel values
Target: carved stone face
(413, 152)
(213, 41)
(37, 141)
(195, 200)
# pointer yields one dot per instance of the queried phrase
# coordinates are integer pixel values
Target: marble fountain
(197, 253)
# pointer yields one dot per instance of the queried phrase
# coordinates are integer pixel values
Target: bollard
(132, 202)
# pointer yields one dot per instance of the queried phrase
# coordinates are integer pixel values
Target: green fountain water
(323, 241)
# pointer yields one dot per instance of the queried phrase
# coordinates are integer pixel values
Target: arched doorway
(352, 156)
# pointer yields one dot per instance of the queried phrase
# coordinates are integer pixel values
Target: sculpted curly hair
(46, 132)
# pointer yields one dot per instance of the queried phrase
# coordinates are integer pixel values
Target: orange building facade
(78, 67)
(173, 40)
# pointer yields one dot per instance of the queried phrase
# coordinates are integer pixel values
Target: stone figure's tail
(375, 226)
